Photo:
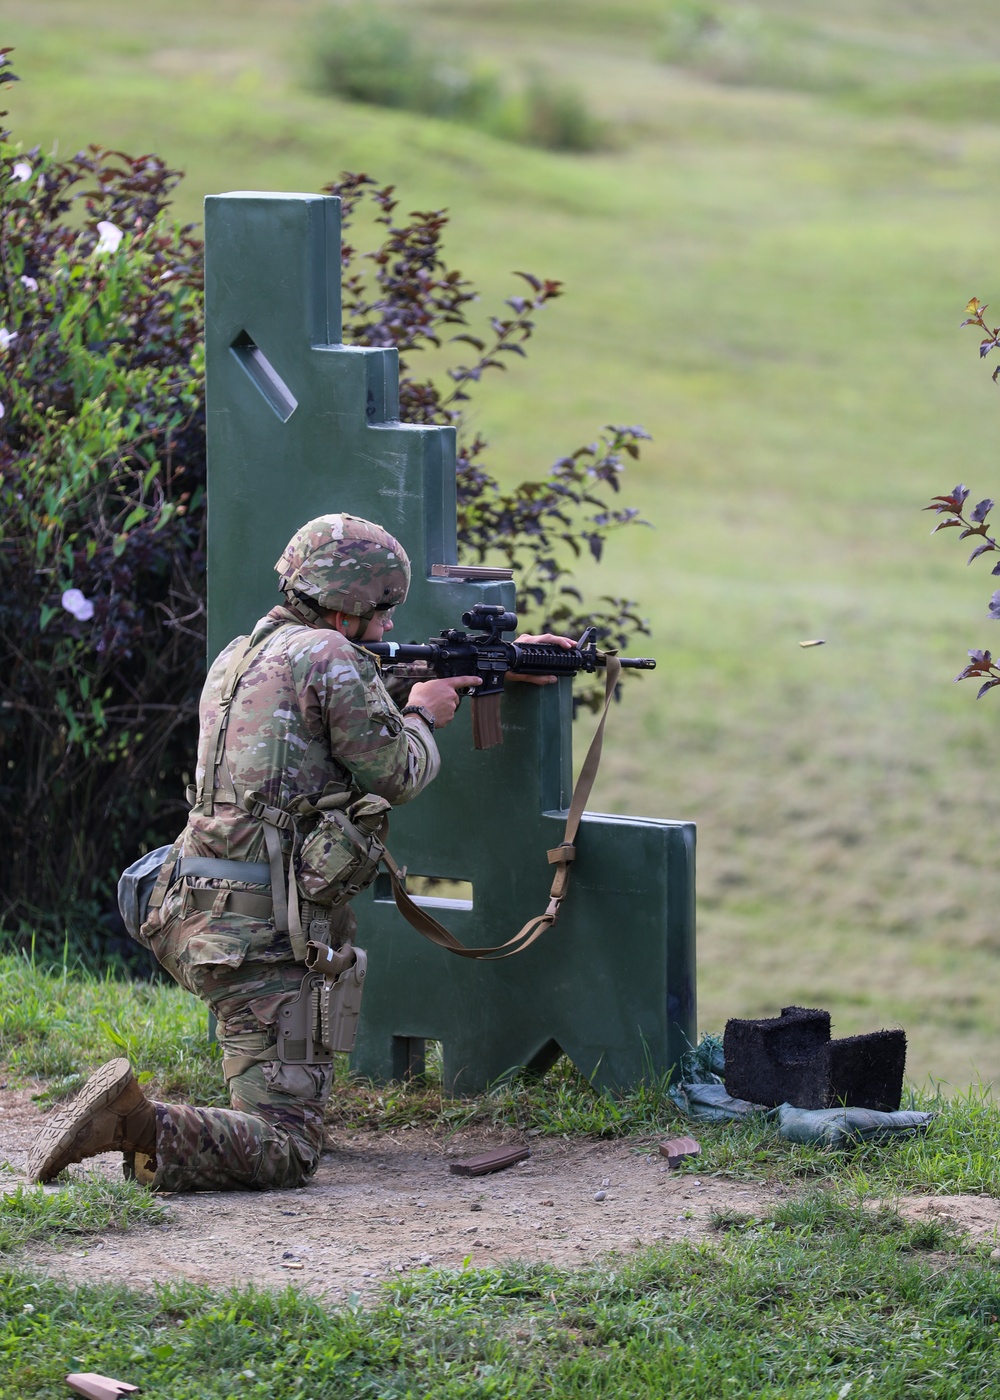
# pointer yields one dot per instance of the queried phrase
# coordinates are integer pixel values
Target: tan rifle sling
(560, 856)
(215, 750)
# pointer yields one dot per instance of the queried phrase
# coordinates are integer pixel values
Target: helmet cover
(345, 564)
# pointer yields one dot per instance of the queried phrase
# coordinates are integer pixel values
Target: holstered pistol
(322, 1021)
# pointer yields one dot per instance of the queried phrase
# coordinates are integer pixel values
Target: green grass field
(767, 269)
(831, 1292)
(825, 1298)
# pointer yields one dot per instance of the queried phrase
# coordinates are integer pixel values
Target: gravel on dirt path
(384, 1202)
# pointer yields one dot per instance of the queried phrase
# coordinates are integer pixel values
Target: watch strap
(422, 711)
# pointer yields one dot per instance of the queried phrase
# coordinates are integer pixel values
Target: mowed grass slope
(771, 281)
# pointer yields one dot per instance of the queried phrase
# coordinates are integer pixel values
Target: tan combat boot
(110, 1114)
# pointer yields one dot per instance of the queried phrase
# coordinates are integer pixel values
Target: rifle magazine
(487, 727)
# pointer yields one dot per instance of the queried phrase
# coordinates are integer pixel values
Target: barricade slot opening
(415, 1058)
(430, 891)
(265, 376)
(433, 1061)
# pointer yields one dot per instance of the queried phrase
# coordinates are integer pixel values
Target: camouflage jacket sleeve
(341, 697)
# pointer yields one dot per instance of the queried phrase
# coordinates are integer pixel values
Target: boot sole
(57, 1137)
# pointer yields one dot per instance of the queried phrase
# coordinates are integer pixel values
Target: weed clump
(86, 1206)
(739, 45)
(966, 96)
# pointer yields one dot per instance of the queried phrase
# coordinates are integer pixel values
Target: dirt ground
(383, 1203)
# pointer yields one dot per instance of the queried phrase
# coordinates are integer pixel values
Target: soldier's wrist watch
(423, 712)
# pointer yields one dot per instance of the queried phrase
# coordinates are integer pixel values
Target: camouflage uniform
(309, 715)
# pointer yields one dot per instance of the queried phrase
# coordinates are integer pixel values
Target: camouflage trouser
(273, 1134)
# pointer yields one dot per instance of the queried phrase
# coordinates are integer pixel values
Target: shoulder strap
(215, 749)
(560, 856)
(284, 895)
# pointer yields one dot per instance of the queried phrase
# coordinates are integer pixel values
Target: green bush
(102, 507)
(102, 464)
(549, 114)
(365, 55)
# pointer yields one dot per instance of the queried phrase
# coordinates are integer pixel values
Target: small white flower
(28, 1307)
(3, 411)
(21, 171)
(7, 338)
(74, 602)
(30, 283)
(110, 237)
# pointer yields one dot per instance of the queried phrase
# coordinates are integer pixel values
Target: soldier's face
(355, 631)
(377, 628)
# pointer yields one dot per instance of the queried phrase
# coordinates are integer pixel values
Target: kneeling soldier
(301, 752)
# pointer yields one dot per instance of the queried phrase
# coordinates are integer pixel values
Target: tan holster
(322, 1021)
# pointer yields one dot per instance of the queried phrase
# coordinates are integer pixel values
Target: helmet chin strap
(363, 619)
(309, 610)
(305, 608)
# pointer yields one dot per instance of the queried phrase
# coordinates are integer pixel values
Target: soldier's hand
(441, 696)
(567, 644)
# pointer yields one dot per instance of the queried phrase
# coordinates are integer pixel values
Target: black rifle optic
(484, 653)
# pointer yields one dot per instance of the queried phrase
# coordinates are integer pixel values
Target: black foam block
(792, 1059)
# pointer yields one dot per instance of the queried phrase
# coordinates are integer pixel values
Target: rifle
(483, 652)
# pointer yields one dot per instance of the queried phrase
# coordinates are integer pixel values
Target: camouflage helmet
(345, 564)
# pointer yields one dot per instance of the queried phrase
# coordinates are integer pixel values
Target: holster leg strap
(235, 1065)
